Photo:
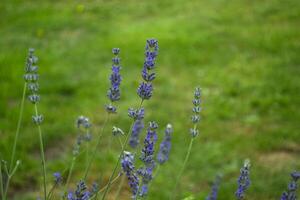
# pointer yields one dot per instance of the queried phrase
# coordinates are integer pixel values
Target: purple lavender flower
(128, 168)
(165, 146)
(138, 116)
(145, 89)
(81, 192)
(57, 177)
(196, 110)
(291, 193)
(147, 156)
(135, 133)
(214, 189)
(243, 180)
(115, 80)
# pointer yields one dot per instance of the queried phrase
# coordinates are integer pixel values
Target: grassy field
(243, 54)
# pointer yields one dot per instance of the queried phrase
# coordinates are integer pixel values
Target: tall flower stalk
(32, 78)
(214, 189)
(145, 91)
(114, 95)
(194, 132)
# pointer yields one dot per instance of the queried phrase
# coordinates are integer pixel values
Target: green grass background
(243, 54)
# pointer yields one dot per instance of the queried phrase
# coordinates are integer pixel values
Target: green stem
(70, 173)
(183, 167)
(120, 187)
(96, 148)
(49, 196)
(18, 128)
(120, 156)
(42, 154)
(1, 182)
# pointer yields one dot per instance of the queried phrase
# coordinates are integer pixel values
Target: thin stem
(70, 172)
(18, 128)
(87, 152)
(42, 154)
(120, 142)
(96, 148)
(183, 167)
(120, 187)
(1, 182)
(120, 156)
(49, 196)
(9, 176)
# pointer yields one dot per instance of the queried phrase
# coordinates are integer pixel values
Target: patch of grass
(244, 54)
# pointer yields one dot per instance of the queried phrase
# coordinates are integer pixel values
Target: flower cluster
(214, 189)
(82, 122)
(147, 157)
(81, 192)
(291, 193)
(31, 77)
(165, 146)
(128, 168)
(115, 80)
(196, 110)
(243, 180)
(138, 125)
(145, 89)
(57, 177)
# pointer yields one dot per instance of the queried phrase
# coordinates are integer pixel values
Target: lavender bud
(34, 98)
(117, 131)
(115, 51)
(84, 122)
(195, 119)
(194, 132)
(33, 87)
(37, 119)
(165, 146)
(111, 109)
(116, 60)
(291, 193)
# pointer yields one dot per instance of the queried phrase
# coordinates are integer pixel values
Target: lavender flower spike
(57, 177)
(196, 110)
(243, 181)
(145, 89)
(291, 193)
(147, 157)
(81, 192)
(165, 146)
(138, 116)
(115, 80)
(214, 190)
(128, 168)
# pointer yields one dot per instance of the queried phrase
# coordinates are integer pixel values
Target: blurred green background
(243, 54)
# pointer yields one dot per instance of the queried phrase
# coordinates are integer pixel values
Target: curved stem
(96, 148)
(49, 196)
(183, 167)
(42, 154)
(18, 128)
(120, 156)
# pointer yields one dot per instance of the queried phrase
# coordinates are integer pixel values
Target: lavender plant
(32, 78)
(145, 91)
(291, 193)
(194, 132)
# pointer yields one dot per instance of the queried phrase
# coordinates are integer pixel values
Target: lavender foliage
(243, 180)
(165, 146)
(291, 193)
